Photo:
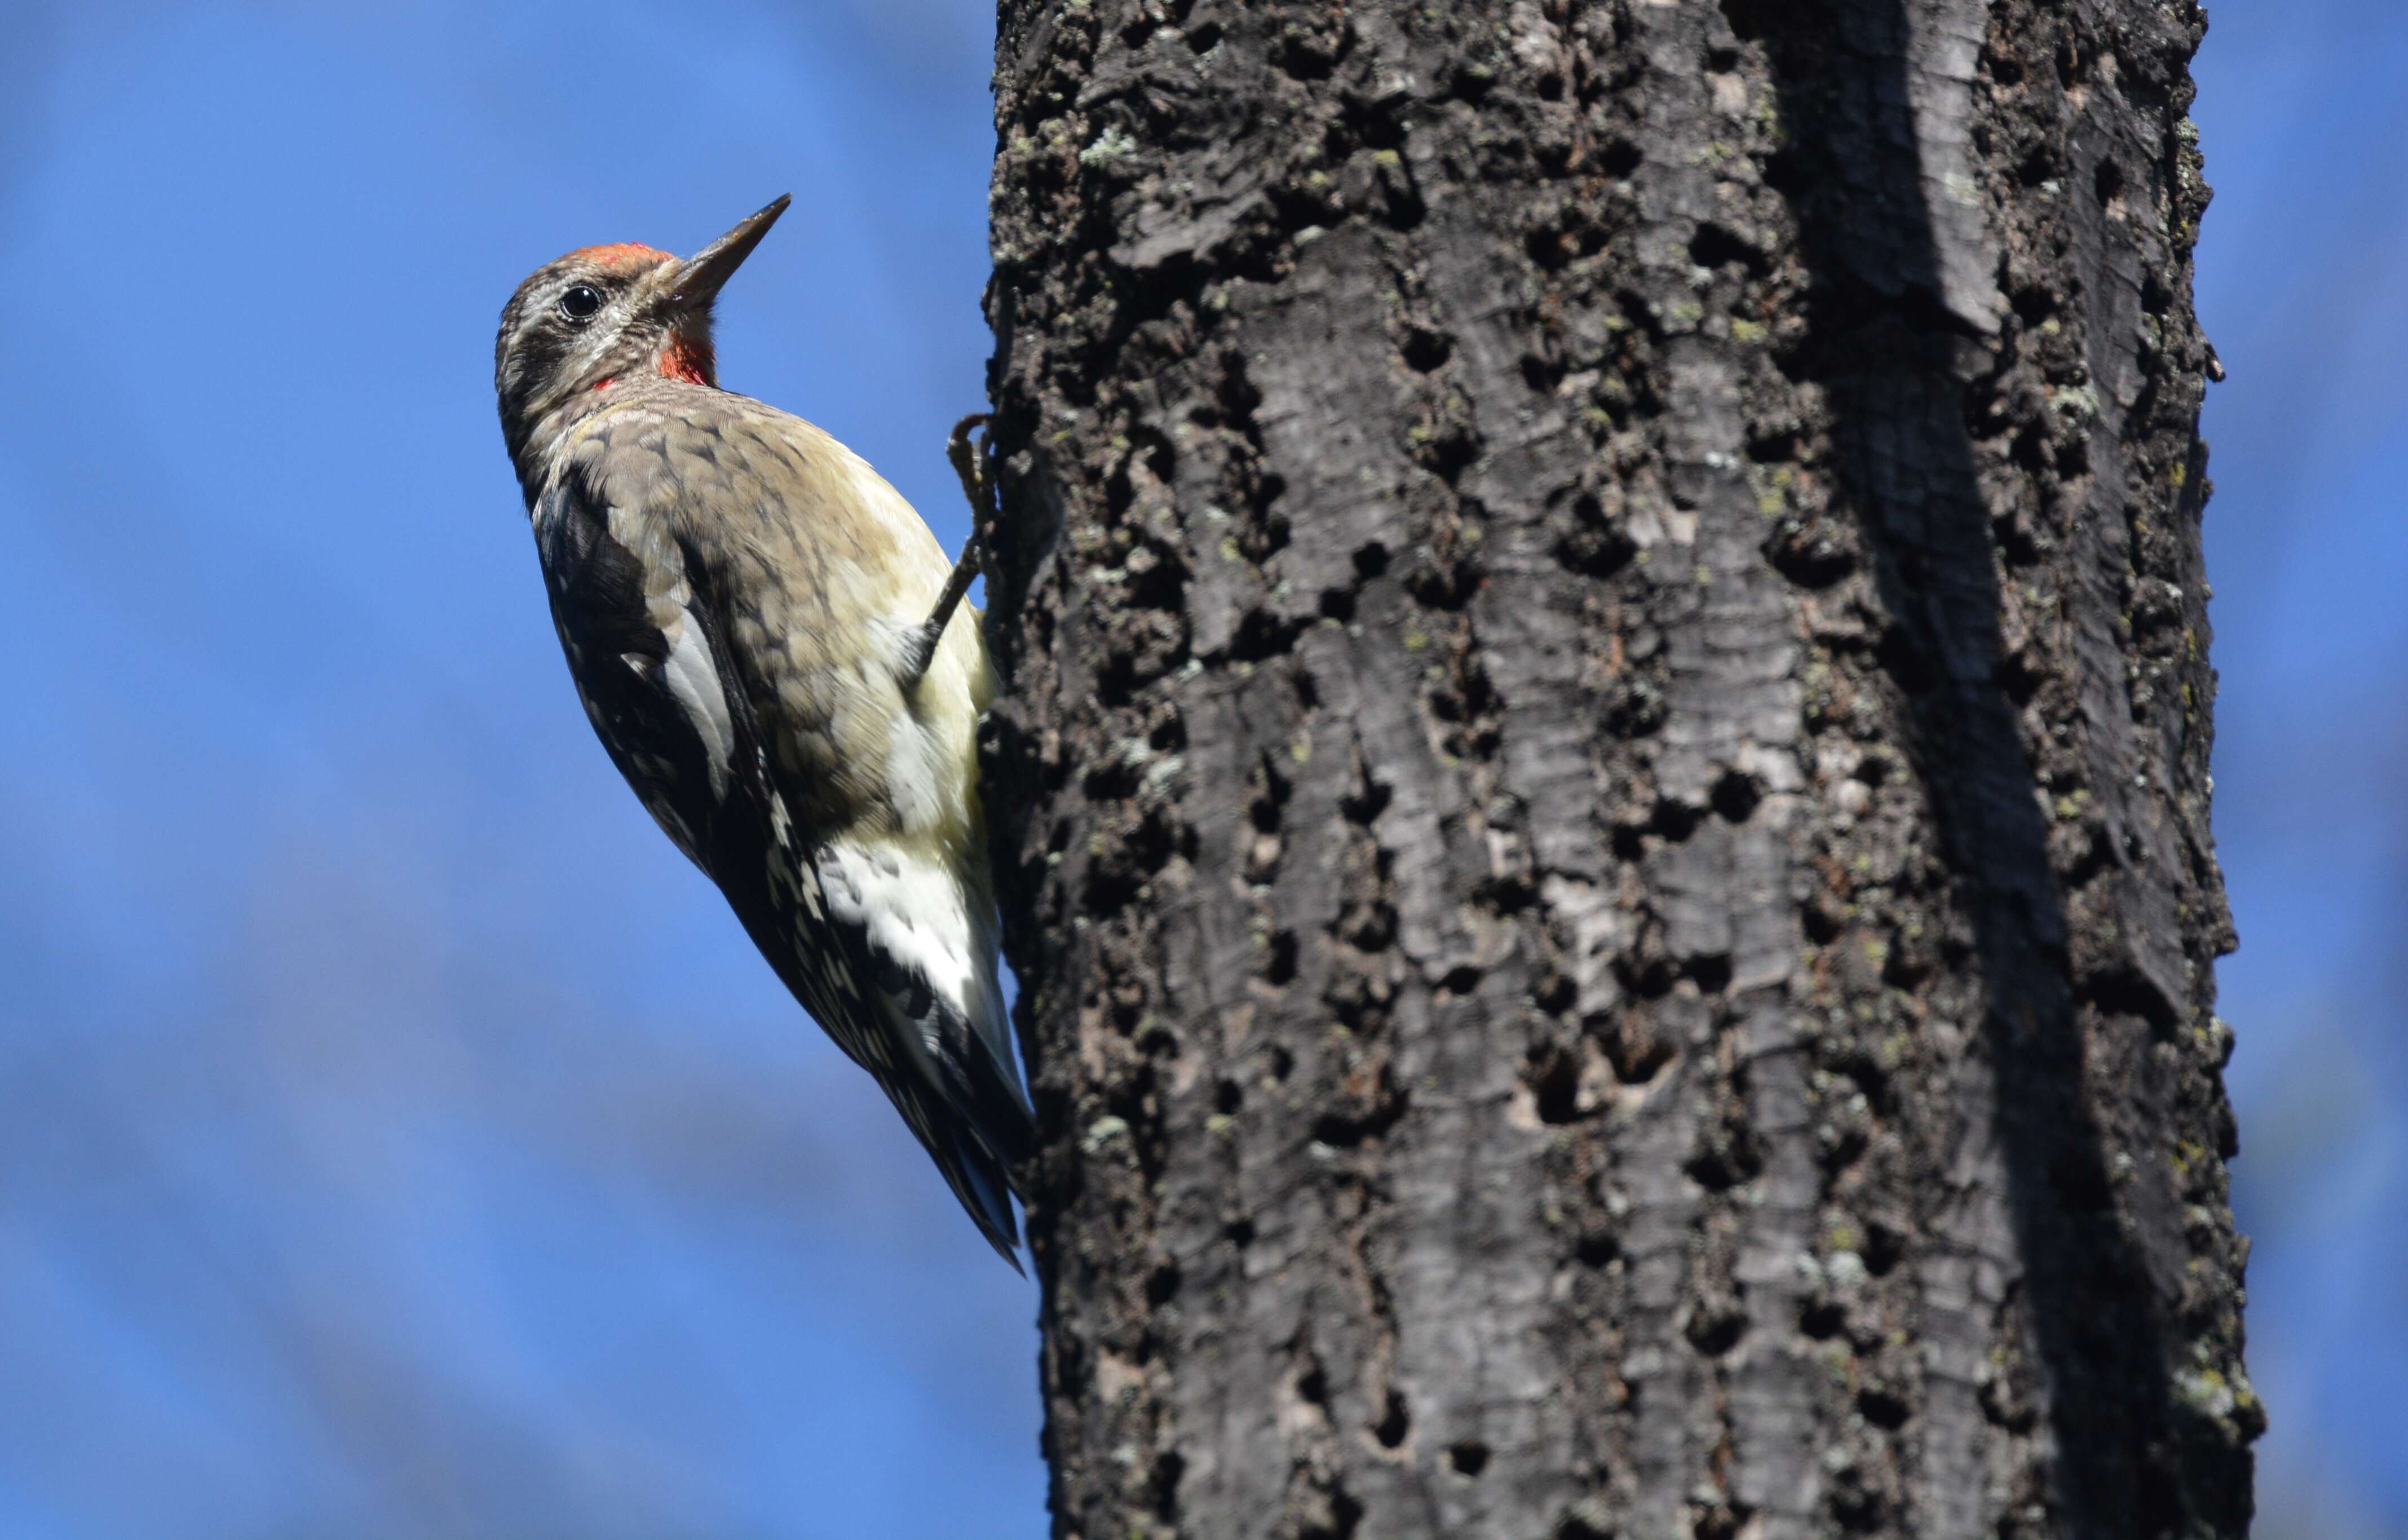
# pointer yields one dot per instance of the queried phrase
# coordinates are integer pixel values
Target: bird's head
(609, 313)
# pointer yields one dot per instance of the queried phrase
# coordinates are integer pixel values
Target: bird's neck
(688, 357)
(539, 438)
(682, 357)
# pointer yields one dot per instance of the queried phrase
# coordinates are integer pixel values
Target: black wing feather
(616, 657)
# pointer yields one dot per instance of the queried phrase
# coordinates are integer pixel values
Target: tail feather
(980, 1182)
(988, 1095)
(981, 1130)
(983, 1189)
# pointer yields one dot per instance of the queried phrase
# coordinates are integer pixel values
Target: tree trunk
(1603, 793)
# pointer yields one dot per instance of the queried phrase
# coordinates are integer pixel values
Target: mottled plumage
(735, 593)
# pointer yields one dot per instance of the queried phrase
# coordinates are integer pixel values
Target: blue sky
(397, 1139)
(2303, 284)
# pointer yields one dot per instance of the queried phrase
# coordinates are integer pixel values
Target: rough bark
(1603, 794)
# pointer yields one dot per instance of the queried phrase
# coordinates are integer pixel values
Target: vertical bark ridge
(2064, 755)
(1586, 593)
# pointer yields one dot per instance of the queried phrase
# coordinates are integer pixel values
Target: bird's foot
(979, 485)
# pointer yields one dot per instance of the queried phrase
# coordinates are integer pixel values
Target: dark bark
(1603, 794)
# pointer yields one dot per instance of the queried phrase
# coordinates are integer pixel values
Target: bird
(759, 629)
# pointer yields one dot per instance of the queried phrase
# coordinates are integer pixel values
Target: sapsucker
(756, 623)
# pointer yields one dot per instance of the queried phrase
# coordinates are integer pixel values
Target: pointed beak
(700, 276)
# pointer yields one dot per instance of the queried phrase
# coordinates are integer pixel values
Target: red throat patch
(685, 357)
(688, 358)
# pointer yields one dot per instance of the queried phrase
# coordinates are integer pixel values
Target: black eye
(580, 302)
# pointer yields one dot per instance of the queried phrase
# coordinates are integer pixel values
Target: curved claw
(976, 471)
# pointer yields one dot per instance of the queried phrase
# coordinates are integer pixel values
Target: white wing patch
(687, 670)
(695, 684)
